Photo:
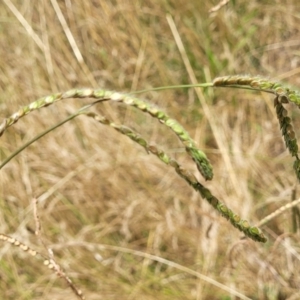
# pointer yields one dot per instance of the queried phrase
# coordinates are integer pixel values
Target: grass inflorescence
(282, 94)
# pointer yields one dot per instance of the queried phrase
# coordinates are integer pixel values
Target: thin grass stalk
(243, 225)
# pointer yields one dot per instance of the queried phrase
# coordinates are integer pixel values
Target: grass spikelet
(287, 131)
(261, 84)
(99, 94)
(286, 127)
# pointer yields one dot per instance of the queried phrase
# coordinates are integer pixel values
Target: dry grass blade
(25, 24)
(72, 42)
(218, 6)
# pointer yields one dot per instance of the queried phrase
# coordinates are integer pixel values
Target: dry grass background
(108, 197)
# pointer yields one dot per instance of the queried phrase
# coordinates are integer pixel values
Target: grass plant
(113, 222)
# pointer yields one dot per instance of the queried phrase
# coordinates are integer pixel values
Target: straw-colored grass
(115, 221)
